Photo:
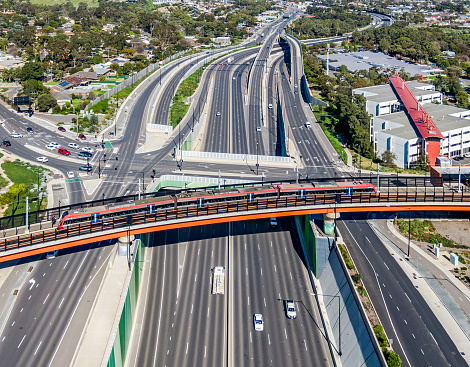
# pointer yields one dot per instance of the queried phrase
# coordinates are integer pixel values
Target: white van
(308, 125)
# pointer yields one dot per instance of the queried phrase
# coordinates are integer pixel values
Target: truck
(218, 280)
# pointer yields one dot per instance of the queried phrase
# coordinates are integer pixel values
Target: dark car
(6, 143)
(88, 154)
(62, 129)
(29, 130)
(81, 136)
(86, 167)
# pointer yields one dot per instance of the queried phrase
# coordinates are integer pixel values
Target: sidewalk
(434, 281)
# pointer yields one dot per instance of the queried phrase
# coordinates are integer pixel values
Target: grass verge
(186, 89)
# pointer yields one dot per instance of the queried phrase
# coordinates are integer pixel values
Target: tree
(31, 70)
(388, 159)
(46, 102)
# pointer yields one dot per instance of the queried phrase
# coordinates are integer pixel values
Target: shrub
(380, 335)
(393, 359)
(357, 278)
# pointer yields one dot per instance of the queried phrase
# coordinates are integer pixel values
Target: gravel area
(457, 231)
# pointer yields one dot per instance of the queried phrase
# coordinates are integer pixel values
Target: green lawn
(52, 83)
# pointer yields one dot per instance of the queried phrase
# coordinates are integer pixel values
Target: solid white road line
(38, 347)
(21, 341)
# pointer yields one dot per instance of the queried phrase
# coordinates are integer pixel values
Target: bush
(357, 278)
(380, 335)
(393, 359)
(345, 255)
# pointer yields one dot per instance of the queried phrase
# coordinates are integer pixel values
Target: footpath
(447, 297)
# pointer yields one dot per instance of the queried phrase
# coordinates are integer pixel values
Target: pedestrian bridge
(43, 237)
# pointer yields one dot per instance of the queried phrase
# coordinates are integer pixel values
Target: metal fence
(232, 156)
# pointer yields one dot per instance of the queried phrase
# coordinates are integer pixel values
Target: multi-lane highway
(263, 266)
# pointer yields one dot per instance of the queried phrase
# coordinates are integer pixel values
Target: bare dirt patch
(456, 231)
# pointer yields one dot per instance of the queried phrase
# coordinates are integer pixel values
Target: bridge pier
(329, 223)
(123, 243)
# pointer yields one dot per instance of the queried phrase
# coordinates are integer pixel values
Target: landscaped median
(20, 180)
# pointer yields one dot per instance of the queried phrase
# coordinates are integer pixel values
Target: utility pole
(460, 177)
(139, 188)
(26, 214)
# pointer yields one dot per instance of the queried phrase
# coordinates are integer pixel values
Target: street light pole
(257, 162)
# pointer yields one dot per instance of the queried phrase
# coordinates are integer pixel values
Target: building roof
(418, 115)
(446, 118)
(366, 59)
(384, 92)
(90, 75)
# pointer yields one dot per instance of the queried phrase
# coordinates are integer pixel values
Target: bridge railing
(42, 217)
(228, 207)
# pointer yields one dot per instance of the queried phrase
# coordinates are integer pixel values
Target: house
(61, 97)
(88, 75)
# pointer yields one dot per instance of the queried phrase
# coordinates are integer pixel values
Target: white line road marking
(398, 308)
(258, 247)
(66, 264)
(161, 306)
(248, 301)
(212, 254)
(192, 304)
(31, 281)
(390, 295)
(38, 347)
(269, 340)
(290, 275)
(21, 341)
(285, 332)
(13, 323)
(264, 302)
(86, 254)
(21, 310)
(305, 343)
(205, 350)
(195, 278)
(246, 271)
(405, 322)
(408, 297)
(60, 304)
(46, 298)
(433, 338)
(422, 351)
(261, 271)
(44, 274)
(187, 346)
(275, 269)
(413, 335)
(208, 308)
(3, 338)
(251, 340)
(386, 266)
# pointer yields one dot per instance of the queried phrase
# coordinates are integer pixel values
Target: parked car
(81, 136)
(86, 167)
(258, 322)
(16, 135)
(63, 151)
(6, 143)
(74, 146)
(42, 159)
(30, 130)
(62, 129)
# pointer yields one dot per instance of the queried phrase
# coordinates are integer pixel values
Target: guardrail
(243, 207)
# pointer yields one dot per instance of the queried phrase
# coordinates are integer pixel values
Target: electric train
(203, 198)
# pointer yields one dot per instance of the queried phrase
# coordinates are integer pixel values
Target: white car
(218, 113)
(308, 125)
(273, 222)
(16, 135)
(42, 159)
(70, 174)
(52, 254)
(258, 322)
(291, 313)
(89, 150)
(55, 145)
(74, 146)
(258, 128)
(467, 155)
(50, 147)
(270, 105)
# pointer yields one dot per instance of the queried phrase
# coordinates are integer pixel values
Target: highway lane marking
(405, 322)
(13, 323)
(398, 308)
(60, 304)
(251, 340)
(187, 347)
(380, 289)
(264, 301)
(192, 304)
(3, 338)
(407, 297)
(269, 340)
(44, 274)
(261, 271)
(37, 347)
(195, 277)
(285, 332)
(21, 310)
(386, 266)
(46, 298)
(422, 351)
(21, 341)
(248, 301)
(208, 308)
(290, 275)
(433, 338)
(305, 343)
(275, 268)
(205, 350)
(76, 273)
(246, 271)
(413, 335)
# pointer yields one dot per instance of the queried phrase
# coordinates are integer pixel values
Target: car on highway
(283, 78)
(258, 322)
(467, 155)
(52, 254)
(54, 144)
(86, 167)
(295, 85)
(273, 222)
(218, 113)
(70, 174)
(83, 155)
(16, 135)
(50, 147)
(30, 130)
(42, 159)
(308, 125)
(234, 78)
(63, 151)
(258, 128)
(61, 128)
(6, 143)
(81, 136)
(296, 92)
(74, 146)
(88, 150)
(289, 305)
(270, 105)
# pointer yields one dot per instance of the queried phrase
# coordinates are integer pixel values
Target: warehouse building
(405, 122)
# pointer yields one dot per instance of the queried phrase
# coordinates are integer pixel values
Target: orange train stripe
(203, 222)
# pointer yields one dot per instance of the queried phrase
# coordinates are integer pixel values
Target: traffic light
(45, 178)
(154, 172)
